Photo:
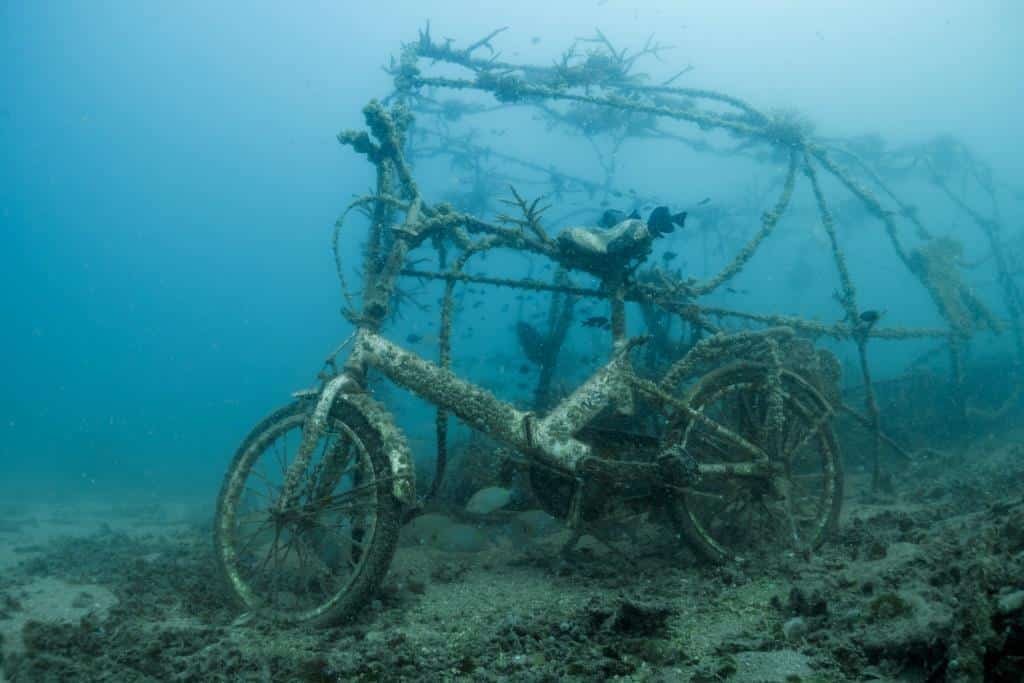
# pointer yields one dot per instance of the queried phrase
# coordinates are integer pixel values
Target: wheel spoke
(339, 500)
(726, 434)
(264, 494)
(338, 536)
(275, 582)
(323, 572)
(792, 430)
(751, 421)
(282, 457)
(810, 434)
(271, 549)
(300, 559)
(253, 538)
(260, 517)
(271, 487)
(716, 443)
(336, 465)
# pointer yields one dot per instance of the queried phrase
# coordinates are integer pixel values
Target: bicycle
(744, 459)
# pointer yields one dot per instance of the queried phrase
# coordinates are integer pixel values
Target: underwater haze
(171, 176)
(837, 185)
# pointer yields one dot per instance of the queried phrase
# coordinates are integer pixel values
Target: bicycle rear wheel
(316, 558)
(792, 509)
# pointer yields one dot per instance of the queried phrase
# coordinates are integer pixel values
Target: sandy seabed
(922, 583)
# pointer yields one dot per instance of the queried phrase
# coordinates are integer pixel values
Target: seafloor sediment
(923, 583)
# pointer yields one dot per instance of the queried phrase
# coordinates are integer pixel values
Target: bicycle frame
(549, 438)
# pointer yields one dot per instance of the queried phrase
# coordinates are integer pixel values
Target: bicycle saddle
(626, 240)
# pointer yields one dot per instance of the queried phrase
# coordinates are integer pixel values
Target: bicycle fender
(392, 439)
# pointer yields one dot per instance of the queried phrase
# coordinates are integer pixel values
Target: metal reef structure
(594, 90)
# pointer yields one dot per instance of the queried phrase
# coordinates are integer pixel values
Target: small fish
(733, 290)
(597, 321)
(524, 369)
(870, 316)
(663, 221)
(414, 338)
(535, 40)
(668, 256)
(704, 201)
(613, 217)
(488, 500)
(478, 304)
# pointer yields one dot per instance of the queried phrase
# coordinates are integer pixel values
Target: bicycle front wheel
(316, 557)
